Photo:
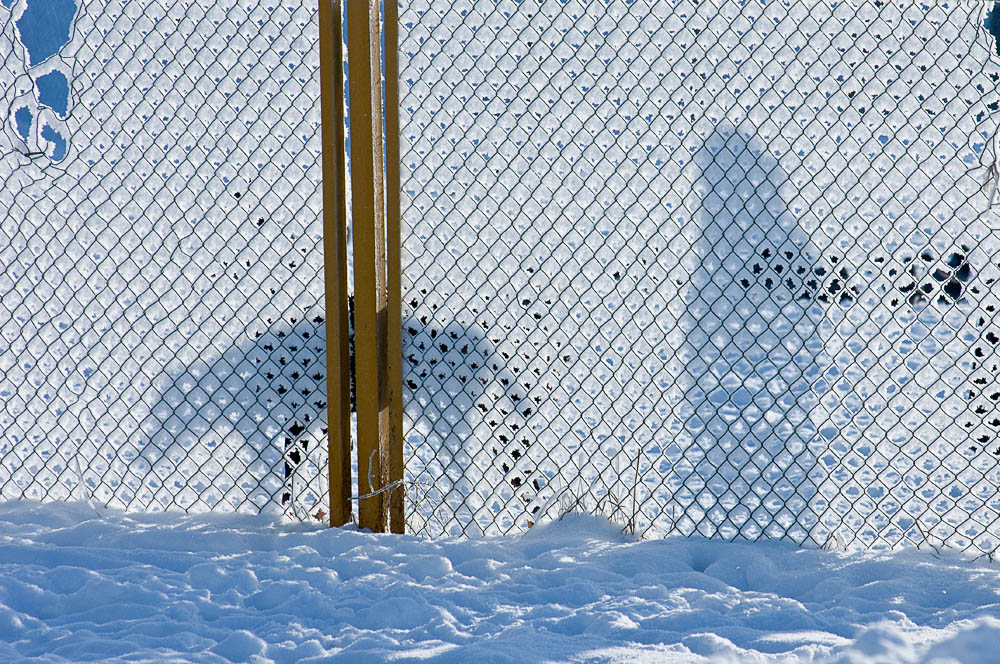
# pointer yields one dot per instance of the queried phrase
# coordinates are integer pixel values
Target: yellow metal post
(368, 220)
(335, 259)
(394, 351)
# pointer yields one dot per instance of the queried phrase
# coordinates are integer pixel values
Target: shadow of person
(754, 360)
(244, 427)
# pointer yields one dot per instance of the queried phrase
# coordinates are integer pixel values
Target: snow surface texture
(160, 254)
(79, 583)
(733, 259)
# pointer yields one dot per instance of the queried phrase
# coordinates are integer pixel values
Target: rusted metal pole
(335, 259)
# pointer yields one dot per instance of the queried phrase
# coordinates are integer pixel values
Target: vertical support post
(335, 260)
(368, 219)
(392, 214)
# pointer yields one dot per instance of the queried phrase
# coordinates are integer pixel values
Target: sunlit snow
(82, 583)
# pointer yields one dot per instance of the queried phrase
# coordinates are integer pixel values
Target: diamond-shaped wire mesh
(161, 292)
(723, 268)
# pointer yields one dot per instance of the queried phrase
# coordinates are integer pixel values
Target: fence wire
(718, 268)
(161, 317)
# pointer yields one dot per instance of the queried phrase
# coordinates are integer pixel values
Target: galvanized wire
(161, 302)
(712, 268)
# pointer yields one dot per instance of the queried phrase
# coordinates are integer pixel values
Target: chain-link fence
(711, 268)
(722, 268)
(161, 290)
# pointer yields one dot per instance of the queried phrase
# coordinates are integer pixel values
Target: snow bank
(81, 583)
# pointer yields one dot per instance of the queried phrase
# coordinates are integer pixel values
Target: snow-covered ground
(82, 583)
